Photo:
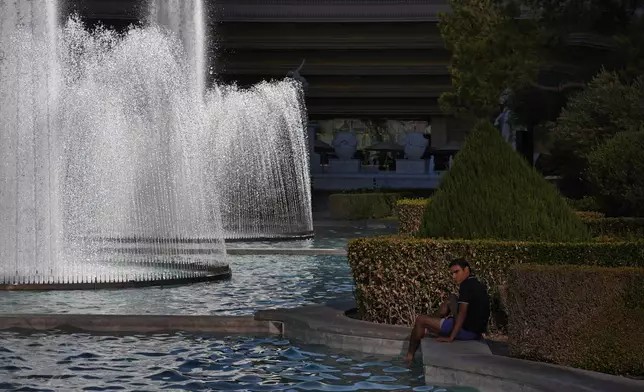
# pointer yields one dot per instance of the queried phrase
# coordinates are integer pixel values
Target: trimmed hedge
(357, 206)
(398, 277)
(410, 214)
(616, 228)
(585, 317)
(615, 173)
(589, 214)
(586, 203)
(491, 192)
(599, 226)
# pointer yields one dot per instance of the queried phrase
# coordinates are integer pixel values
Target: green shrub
(585, 204)
(356, 206)
(604, 108)
(398, 277)
(585, 317)
(589, 214)
(619, 228)
(600, 228)
(615, 173)
(410, 214)
(491, 192)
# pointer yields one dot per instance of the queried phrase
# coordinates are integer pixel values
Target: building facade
(375, 70)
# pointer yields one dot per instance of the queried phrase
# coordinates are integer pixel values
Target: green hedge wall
(399, 277)
(585, 317)
(586, 204)
(617, 228)
(599, 226)
(410, 214)
(357, 206)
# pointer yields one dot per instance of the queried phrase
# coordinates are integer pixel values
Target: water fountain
(30, 216)
(116, 160)
(263, 160)
(259, 173)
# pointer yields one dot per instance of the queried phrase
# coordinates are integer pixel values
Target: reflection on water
(326, 237)
(258, 282)
(51, 361)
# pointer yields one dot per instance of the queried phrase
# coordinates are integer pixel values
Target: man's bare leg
(433, 324)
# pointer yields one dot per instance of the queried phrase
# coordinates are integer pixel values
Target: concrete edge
(245, 325)
(302, 331)
(470, 364)
(484, 383)
(332, 319)
(361, 224)
(457, 364)
(285, 251)
(328, 325)
(178, 278)
(492, 373)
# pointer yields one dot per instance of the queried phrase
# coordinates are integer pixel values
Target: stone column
(344, 144)
(415, 146)
(439, 132)
(314, 159)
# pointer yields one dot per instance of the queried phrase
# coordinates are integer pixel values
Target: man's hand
(446, 340)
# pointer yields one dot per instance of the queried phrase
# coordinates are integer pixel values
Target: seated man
(470, 320)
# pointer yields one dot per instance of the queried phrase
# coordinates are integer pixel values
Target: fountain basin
(167, 274)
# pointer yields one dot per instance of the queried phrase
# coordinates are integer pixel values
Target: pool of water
(183, 362)
(258, 282)
(326, 236)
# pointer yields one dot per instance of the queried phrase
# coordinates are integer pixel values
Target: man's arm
(460, 319)
(464, 298)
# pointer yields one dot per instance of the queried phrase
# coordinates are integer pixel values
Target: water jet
(118, 161)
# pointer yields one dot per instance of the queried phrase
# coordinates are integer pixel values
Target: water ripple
(286, 282)
(191, 363)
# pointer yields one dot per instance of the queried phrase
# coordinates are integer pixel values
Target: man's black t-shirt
(474, 293)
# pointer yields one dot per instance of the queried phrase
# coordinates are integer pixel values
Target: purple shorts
(446, 328)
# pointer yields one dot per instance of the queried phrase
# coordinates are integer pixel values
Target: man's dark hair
(461, 262)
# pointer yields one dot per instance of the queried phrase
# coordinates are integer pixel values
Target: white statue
(296, 76)
(505, 122)
(415, 145)
(345, 144)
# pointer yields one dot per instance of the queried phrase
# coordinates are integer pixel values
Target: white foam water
(111, 138)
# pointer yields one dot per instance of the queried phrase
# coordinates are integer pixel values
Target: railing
(333, 174)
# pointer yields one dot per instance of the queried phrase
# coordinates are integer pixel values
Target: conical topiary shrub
(491, 192)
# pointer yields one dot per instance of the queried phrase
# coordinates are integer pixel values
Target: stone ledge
(140, 324)
(285, 251)
(328, 325)
(492, 373)
(435, 353)
(457, 363)
(469, 364)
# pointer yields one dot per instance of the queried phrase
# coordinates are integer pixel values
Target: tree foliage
(615, 173)
(491, 51)
(605, 108)
(491, 192)
(530, 45)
